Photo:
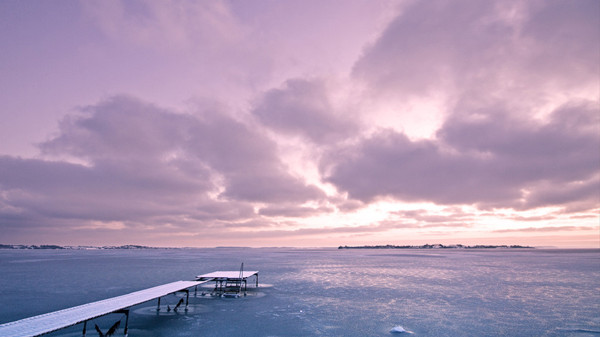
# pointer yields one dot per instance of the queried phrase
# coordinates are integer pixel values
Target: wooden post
(126, 322)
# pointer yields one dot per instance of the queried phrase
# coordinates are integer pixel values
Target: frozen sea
(321, 292)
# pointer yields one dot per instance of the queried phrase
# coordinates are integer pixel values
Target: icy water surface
(321, 292)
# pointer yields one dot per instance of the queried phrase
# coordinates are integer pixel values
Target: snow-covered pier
(226, 283)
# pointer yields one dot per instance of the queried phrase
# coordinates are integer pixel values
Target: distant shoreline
(435, 246)
(134, 247)
(3, 246)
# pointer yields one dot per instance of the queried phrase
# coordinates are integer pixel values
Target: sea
(319, 292)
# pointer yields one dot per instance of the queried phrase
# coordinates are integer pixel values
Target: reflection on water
(321, 292)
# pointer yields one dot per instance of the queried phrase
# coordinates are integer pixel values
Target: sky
(300, 123)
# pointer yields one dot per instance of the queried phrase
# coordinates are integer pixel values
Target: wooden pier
(53, 321)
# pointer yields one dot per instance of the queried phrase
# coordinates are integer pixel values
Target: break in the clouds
(299, 123)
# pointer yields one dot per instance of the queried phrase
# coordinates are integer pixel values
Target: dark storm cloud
(492, 161)
(302, 107)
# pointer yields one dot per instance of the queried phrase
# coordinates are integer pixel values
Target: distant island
(2, 246)
(434, 246)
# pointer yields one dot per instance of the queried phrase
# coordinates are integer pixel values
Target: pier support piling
(126, 312)
(126, 323)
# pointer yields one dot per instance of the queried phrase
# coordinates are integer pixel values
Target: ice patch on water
(399, 329)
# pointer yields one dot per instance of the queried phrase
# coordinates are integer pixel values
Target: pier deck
(227, 274)
(46, 323)
(230, 283)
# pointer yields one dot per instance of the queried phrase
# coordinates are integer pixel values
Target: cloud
(71, 191)
(449, 218)
(124, 133)
(174, 23)
(520, 112)
(302, 107)
(314, 231)
(492, 161)
(121, 128)
(347, 205)
(425, 46)
(389, 164)
(548, 229)
(145, 164)
(485, 48)
(294, 211)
